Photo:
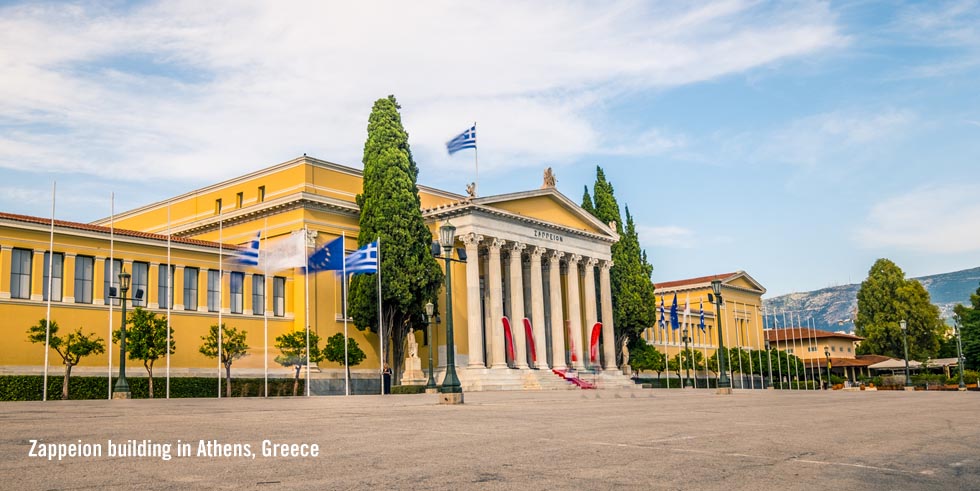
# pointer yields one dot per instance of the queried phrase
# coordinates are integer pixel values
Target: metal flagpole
(748, 315)
(476, 162)
(265, 303)
(799, 328)
(813, 333)
(221, 275)
(704, 345)
(344, 280)
(47, 321)
(306, 279)
(762, 345)
(789, 372)
(381, 330)
(112, 262)
(765, 324)
(170, 296)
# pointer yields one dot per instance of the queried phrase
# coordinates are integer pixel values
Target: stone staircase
(486, 379)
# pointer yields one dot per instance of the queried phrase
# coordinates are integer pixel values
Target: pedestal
(450, 398)
(413, 374)
(122, 395)
(724, 391)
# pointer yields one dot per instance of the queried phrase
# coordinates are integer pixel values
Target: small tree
(646, 357)
(233, 347)
(146, 339)
(335, 351)
(72, 348)
(293, 348)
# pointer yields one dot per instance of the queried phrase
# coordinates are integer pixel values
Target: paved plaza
(640, 439)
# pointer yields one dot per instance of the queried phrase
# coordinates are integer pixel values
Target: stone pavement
(649, 439)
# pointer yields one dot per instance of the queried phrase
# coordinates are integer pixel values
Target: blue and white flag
(466, 139)
(363, 260)
(701, 324)
(675, 323)
(663, 314)
(249, 256)
(328, 257)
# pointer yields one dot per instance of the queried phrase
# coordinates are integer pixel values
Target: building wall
(807, 349)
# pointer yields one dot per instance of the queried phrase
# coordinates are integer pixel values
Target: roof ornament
(471, 189)
(549, 179)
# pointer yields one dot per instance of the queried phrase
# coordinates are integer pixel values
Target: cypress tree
(887, 297)
(632, 290)
(587, 202)
(968, 318)
(391, 210)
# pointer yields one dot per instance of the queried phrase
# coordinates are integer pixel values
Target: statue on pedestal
(627, 370)
(413, 374)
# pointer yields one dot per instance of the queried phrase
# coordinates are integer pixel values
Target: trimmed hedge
(30, 387)
(408, 389)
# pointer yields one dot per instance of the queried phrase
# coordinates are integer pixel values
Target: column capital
(591, 262)
(574, 258)
(537, 252)
(518, 247)
(606, 265)
(311, 238)
(556, 256)
(496, 244)
(471, 239)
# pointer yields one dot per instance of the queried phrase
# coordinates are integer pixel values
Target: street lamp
(826, 352)
(960, 359)
(769, 357)
(121, 390)
(452, 392)
(724, 384)
(905, 340)
(687, 354)
(430, 386)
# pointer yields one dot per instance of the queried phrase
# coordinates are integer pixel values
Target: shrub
(408, 389)
(28, 387)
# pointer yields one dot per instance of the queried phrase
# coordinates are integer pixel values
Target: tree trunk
(228, 379)
(296, 381)
(398, 333)
(64, 383)
(149, 371)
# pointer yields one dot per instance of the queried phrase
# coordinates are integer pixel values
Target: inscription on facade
(542, 234)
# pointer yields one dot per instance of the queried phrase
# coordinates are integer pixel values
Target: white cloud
(210, 89)
(931, 219)
(671, 236)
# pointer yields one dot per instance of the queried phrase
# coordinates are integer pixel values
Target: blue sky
(796, 141)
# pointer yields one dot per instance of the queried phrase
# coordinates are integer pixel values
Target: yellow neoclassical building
(532, 255)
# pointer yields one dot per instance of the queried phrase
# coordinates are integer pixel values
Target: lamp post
(724, 384)
(687, 354)
(905, 341)
(960, 359)
(826, 352)
(121, 390)
(430, 386)
(452, 392)
(769, 357)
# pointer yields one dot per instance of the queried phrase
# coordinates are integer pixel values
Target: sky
(796, 141)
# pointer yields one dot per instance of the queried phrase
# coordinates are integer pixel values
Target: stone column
(517, 305)
(590, 307)
(557, 319)
(474, 316)
(499, 358)
(608, 333)
(537, 308)
(575, 310)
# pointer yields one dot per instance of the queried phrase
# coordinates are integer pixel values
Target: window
(84, 271)
(789, 350)
(112, 269)
(56, 279)
(190, 288)
(258, 294)
(261, 194)
(237, 293)
(279, 296)
(165, 288)
(141, 284)
(239, 198)
(214, 294)
(20, 273)
(848, 349)
(217, 206)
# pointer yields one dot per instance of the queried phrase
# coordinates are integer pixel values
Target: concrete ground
(642, 439)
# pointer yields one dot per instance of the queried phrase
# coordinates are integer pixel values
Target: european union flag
(328, 257)
(466, 139)
(674, 322)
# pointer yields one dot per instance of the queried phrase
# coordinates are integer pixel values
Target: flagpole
(47, 321)
(799, 322)
(306, 278)
(748, 313)
(765, 323)
(170, 296)
(221, 275)
(343, 243)
(265, 311)
(381, 330)
(112, 262)
(476, 162)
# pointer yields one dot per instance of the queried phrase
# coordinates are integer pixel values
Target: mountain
(834, 308)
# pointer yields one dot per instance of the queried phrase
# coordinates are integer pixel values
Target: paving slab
(649, 439)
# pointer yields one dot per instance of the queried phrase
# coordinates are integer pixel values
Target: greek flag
(466, 139)
(701, 324)
(663, 315)
(363, 260)
(249, 256)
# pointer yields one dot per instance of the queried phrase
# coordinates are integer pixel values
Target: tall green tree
(391, 210)
(292, 349)
(334, 352)
(587, 202)
(233, 347)
(146, 339)
(968, 318)
(886, 297)
(646, 357)
(632, 290)
(72, 348)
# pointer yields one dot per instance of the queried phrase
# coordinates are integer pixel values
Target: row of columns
(493, 336)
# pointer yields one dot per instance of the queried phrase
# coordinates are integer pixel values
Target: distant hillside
(828, 306)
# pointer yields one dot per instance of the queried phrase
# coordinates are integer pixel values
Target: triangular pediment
(548, 205)
(742, 279)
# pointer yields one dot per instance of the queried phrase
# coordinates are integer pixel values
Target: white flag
(687, 307)
(284, 253)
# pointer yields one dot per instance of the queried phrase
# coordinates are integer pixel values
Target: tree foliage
(146, 339)
(391, 210)
(335, 350)
(233, 347)
(72, 348)
(968, 318)
(292, 348)
(646, 357)
(587, 202)
(632, 290)
(886, 297)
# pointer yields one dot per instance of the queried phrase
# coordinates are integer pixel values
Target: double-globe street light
(451, 392)
(690, 359)
(826, 353)
(121, 389)
(724, 384)
(905, 341)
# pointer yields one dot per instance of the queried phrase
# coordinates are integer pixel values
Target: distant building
(812, 346)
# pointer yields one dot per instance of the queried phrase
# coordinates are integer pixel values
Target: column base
(450, 398)
(909, 388)
(433, 390)
(963, 389)
(122, 395)
(724, 391)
